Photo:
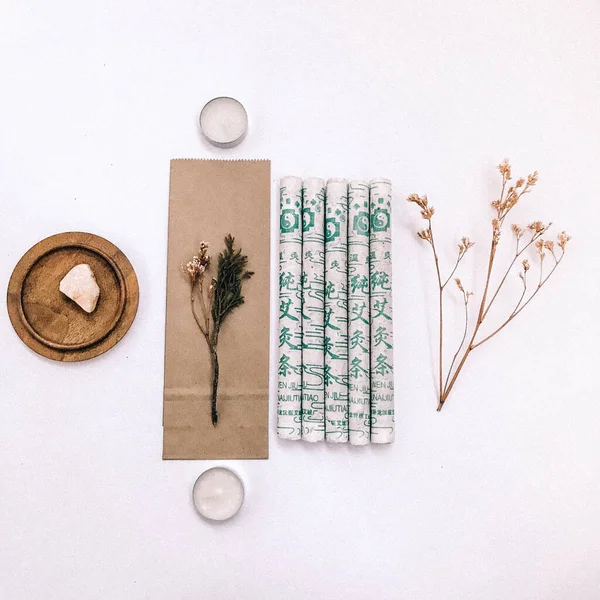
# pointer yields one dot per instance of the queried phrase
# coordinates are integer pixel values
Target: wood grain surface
(52, 324)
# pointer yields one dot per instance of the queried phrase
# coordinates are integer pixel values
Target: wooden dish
(52, 324)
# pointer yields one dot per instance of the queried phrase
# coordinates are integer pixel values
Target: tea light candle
(223, 122)
(218, 494)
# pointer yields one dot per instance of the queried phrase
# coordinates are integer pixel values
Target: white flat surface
(498, 496)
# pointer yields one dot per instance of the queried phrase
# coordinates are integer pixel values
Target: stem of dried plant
(525, 239)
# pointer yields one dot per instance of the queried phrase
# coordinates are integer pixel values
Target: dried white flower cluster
(196, 267)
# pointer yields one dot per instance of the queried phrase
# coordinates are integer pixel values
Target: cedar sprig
(526, 238)
(222, 296)
(231, 274)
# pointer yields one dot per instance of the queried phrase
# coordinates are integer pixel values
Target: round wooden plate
(52, 324)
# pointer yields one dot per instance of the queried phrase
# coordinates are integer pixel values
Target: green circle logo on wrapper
(289, 220)
(380, 219)
(361, 223)
(332, 229)
(308, 219)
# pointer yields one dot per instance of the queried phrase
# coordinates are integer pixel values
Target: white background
(496, 497)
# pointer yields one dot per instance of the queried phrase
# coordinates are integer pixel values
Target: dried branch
(509, 197)
(426, 235)
(224, 294)
(520, 307)
(466, 296)
(518, 253)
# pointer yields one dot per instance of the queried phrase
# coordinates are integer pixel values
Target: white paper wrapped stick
(382, 334)
(289, 388)
(359, 340)
(336, 311)
(313, 310)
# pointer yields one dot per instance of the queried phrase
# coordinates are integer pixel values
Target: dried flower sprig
(526, 237)
(222, 296)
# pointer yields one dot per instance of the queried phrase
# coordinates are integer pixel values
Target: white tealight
(224, 121)
(218, 494)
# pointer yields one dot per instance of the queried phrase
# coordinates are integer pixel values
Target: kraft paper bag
(209, 199)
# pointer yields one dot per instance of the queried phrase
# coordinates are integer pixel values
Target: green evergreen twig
(222, 297)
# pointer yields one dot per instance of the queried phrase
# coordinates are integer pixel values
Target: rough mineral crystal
(79, 284)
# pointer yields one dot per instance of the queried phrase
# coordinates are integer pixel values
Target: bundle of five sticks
(335, 371)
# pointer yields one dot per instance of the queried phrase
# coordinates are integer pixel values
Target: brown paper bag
(209, 199)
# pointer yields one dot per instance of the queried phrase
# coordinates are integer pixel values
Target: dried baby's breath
(518, 231)
(505, 169)
(538, 227)
(428, 212)
(563, 239)
(539, 247)
(425, 234)
(465, 244)
(420, 201)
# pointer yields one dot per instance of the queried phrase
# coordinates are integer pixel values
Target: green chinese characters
(359, 339)
(382, 335)
(289, 385)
